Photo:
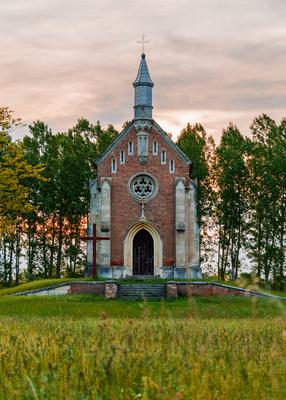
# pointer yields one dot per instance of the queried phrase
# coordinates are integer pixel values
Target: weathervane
(143, 41)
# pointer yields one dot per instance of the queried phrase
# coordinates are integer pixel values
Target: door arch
(128, 247)
(143, 253)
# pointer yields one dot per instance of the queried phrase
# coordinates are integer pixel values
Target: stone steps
(141, 292)
(142, 277)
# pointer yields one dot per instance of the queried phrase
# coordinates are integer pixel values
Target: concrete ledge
(73, 287)
(186, 289)
(174, 289)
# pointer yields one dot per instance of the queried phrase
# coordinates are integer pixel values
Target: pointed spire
(143, 76)
(143, 92)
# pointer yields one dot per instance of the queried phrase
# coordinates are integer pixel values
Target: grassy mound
(37, 284)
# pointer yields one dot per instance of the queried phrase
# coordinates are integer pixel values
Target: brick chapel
(144, 200)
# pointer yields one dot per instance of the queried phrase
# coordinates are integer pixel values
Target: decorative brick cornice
(142, 125)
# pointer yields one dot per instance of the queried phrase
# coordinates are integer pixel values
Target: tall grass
(83, 347)
(161, 358)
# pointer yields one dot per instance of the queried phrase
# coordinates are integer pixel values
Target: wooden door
(143, 253)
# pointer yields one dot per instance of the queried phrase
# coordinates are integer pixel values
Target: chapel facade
(144, 200)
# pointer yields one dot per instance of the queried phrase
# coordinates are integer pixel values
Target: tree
(53, 232)
(267, 166)
(15, 173)
(231, 206)
(199, 147)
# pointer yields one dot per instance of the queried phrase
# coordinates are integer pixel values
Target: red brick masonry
(208, 289)
(160, 211)
(87, 288)
(186, 289)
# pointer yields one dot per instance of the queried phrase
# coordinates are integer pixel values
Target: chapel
(143, 200)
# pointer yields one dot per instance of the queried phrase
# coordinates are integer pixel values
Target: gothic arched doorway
(143, 253)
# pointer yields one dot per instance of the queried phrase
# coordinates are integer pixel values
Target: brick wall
(186, 290)
(209, 289)
(160, 211)
(222, 291)
(87, 288)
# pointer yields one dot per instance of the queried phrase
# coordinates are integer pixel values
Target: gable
(116, 142)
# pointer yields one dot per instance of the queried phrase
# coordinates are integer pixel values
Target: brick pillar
(110, 290)
(172, 290)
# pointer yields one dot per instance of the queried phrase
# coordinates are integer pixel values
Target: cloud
(214, 60)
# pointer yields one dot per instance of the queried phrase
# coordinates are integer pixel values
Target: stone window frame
(155, 148)
(122, 157)
(143, 138)
(139, 199)
(130, 148)
(113, 166)
(163, 156)
(171, 166)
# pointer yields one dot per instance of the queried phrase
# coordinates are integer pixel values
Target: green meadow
(84, 347)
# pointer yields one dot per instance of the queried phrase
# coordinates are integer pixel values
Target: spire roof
(143, 76)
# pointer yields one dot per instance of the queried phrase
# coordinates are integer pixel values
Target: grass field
(89, 306)
(84, 347)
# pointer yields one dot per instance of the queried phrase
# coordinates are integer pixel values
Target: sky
(212, 61)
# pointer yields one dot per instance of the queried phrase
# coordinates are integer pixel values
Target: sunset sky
(212, 61)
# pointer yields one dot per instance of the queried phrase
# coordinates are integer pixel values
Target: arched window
(113, 166)
(122, 157)
(163, 157)
(130, 148)
(155, 148)
(172, 166)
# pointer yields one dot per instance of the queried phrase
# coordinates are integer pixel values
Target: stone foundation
(109, 289)
(165, 272)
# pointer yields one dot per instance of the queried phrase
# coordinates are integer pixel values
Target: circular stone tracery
(143, 187)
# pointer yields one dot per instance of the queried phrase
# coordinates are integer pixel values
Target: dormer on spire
(143, 92)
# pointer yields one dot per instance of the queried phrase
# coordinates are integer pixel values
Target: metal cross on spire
(143, 41)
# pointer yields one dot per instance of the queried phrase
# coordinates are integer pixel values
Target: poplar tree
(231, 206)
(267, 166)
(15, 174)
(200, 148)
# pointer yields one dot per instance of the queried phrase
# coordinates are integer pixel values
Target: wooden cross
(94, 239)
(142, 41)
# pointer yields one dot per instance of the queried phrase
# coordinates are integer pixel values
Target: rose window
(143, 187)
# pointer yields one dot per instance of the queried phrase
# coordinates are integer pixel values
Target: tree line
(44, 204)
(241, 198)
(44, 197)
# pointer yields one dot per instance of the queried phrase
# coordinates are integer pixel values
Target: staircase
(141, 291)
(142, 277)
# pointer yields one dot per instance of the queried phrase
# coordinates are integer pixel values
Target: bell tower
(143, 92)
